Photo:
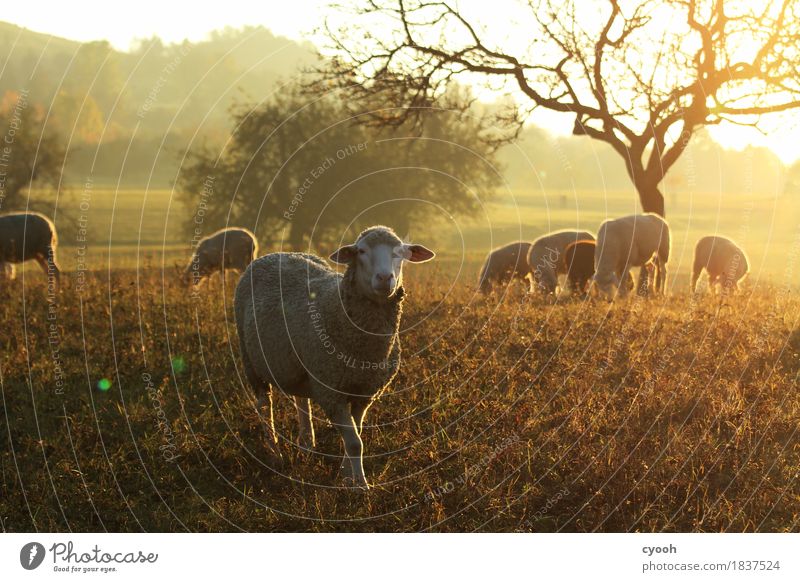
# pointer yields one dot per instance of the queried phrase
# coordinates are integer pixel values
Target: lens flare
(103, 384)
(178, 364)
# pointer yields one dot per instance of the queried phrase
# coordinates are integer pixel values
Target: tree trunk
(651, 198)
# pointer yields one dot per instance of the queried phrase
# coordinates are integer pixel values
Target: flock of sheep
(331, 337)
(604, 263)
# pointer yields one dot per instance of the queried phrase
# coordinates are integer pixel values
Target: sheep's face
(377, 258)
(485, 284)
(545, 280)
(197, 268)
(190, 274)
(607, 284)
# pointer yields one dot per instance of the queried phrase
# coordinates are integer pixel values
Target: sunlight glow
(297, 20)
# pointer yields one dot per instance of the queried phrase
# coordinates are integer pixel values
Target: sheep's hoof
(350, 480)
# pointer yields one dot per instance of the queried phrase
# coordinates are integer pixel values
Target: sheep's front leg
(713, 281)
(661, 276)
(353, 463)
(644, 281)
(621, 282)
(264, 407)
(48, 264)
(728, 285)
(358, 409)
(695, 277)
(305, 420)
(8, 271)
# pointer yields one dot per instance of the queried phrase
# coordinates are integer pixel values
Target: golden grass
(510, 413)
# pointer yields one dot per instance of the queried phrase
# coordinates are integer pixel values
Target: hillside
(126, 115)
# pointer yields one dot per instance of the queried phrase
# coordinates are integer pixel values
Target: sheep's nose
(384, 281)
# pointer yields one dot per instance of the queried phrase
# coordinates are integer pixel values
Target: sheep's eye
(362, 252)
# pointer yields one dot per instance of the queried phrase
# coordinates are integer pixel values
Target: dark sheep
(505, 264)
(229, 248)
(26, 236)
(724, 261)
(546, 258)
(579, 258)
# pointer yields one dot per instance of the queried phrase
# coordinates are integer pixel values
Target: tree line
(369, 138)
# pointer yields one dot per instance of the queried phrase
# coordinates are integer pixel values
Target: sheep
(25, 236)
(9, 273)
(320, 335)
(228, 248)
(504, 264)
(546, 257)
(579, 259)
(724, 261)
(635, 240)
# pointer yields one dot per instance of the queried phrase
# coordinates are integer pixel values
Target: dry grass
(651, 415)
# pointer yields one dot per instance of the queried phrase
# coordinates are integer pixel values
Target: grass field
(131, 228)
(123, 407)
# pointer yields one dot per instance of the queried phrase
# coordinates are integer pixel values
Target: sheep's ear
(345, 255)
(417, 253)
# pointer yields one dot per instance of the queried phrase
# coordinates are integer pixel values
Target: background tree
(642, 76)
(299, 167)
(30, 154)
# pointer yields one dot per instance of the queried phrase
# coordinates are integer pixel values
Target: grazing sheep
(631, 241)
(579, 258)
(546, 257)
(724, 261)
(229, 248)
(317, 334)
(9, 273)
(25, 236)
(504, 264)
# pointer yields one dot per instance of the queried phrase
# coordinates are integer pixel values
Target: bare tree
(642, 76)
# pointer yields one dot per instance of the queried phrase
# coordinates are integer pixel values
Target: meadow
(124, 407)
(134, 228)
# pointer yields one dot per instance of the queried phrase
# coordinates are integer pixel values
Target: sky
(295, 19)
(170, 20)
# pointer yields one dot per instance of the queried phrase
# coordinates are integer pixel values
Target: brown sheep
(504, 264)
(724, 261)
(229, 248)
(546, 258)
(579, 260)
(25, 236)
